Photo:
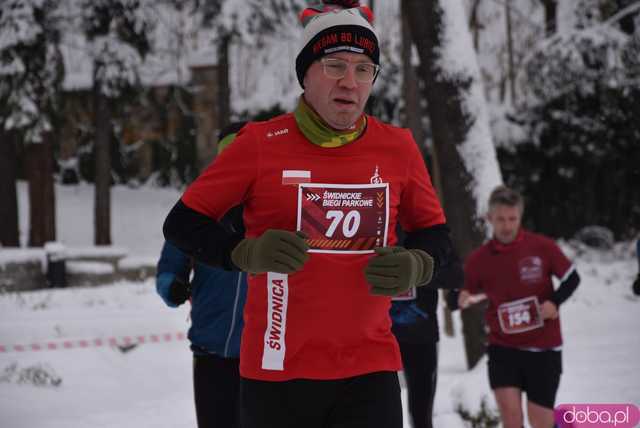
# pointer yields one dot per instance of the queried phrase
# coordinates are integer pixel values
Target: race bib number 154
(344, 218)
(520, 315)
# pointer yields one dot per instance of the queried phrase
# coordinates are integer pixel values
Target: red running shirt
(321, 322)
(509, 273)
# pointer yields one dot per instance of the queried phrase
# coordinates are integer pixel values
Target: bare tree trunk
(410, 89)
(450, 125)
(414, 112)
(101, 147)
(205, 106)
(224, 92)
(550, 13)
(42, 218)
(512, 71)
(448, 317)
(9, 229)
(474, 25)
(628, 22)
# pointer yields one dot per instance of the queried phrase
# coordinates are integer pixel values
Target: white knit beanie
(330, 29)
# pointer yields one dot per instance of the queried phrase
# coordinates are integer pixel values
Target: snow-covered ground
(150, 384)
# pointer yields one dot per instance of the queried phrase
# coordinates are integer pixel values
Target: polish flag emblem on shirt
(293, 177)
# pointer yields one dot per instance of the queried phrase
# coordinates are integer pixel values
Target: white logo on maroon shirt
(530, 269)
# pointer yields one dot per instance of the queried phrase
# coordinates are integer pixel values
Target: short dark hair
(503, 195)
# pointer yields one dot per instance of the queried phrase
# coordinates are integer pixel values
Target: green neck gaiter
(319, 133)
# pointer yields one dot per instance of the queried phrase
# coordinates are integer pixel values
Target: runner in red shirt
(514, 270)
(323, 189)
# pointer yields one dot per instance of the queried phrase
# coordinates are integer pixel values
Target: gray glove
(395, 269)
(275, 250)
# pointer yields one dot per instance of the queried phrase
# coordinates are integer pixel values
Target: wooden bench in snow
(107, 254)
(23, 269)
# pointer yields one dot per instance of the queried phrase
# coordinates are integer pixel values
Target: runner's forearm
(200, 236)
(566, 288)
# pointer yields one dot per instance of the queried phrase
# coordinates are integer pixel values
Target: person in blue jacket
(415, 326)
(217, 301)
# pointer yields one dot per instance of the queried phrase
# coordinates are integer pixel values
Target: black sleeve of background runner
(566, 288)
(451, 273)
(435, 240)
(201, 237)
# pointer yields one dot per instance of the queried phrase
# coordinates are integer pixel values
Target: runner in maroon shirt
(514, 270)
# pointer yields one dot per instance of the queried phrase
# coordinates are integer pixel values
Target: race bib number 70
(344, 218)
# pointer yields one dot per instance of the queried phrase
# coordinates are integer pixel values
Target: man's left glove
(179, 291)
(395, 269)
(636, 286)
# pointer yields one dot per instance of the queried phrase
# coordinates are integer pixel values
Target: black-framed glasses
(336, 68)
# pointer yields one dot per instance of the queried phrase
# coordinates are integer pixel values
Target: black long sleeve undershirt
(436, 242)
(201, 237)
(566, 288)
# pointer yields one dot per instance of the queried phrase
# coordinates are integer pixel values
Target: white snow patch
(97, 268)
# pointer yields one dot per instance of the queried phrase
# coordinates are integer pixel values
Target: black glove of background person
(179, 291)
(275, 250)
(395, 269)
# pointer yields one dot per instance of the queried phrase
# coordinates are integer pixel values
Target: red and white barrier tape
(94, 343)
